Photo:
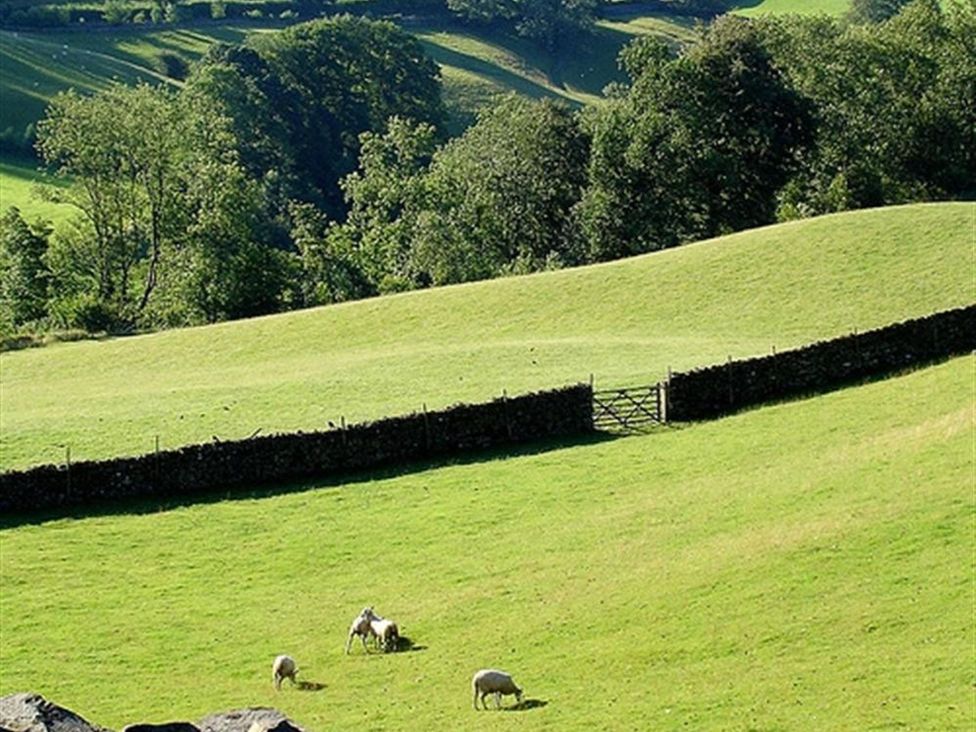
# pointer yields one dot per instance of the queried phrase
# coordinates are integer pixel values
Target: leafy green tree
(699, 145)
(349, 76)
(894, 105)
(173, 230)
(263, 113)
(500, 197)
(385, 195)
(24, 273)
(126, 182)
(329, 259)
(874, 11)
(543, 20)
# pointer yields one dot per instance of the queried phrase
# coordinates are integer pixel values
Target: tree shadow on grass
(151, 505)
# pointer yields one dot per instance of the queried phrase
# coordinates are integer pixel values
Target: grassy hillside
(800, 7)
(476, 65)
(806, 566)
(626, 321)
(18, 181)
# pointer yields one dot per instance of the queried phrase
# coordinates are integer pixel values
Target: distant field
(476, 67)
(625, 322)
(801, 567)
(17, 188)
(800, 7)
(36, 66)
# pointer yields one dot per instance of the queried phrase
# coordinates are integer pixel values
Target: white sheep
(491, 681)
(284, 667)
(386, 632)
(361, 627)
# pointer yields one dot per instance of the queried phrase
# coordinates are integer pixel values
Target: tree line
(312, 166)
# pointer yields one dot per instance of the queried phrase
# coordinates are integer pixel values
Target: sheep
(386, 632)
(491, 681)
(284, 667)
(361, 627)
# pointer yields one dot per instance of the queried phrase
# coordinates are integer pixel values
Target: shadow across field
(145, 506)
(309, 686)
(525, 705)
(406, 645)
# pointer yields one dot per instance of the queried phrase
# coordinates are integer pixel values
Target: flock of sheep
(386, 635)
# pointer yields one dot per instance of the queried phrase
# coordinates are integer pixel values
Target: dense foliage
(310, 166)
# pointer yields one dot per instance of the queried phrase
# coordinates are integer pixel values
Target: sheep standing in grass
(491, 681)
(386, 632)
(284, 667)
(361, 627)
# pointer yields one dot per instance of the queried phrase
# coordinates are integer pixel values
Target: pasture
(780, 7)
(476, 65)
(804, 566)
(18, 183)
(625, 322)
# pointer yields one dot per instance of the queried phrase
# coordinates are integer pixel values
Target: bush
(85, 312)
(172, 66)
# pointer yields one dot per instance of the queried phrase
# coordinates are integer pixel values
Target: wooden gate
(629, 409)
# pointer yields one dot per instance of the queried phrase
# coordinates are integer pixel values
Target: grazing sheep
(386, 633)
(491, 681)
(361, 627)
(284, 668)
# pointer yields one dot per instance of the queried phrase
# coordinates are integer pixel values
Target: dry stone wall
(725, 388)
(277, 458)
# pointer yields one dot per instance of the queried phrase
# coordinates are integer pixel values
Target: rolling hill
(805, 566)
(624, 322)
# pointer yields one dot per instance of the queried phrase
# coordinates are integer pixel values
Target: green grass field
(806, 566)
(625, 322)
(800, 7)
(18, 181)
(476, 66)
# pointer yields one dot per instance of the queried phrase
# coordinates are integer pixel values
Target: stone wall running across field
(562, 412)
(725, 388)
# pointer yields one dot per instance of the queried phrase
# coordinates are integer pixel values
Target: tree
(24, 274)
(173, 230)
(125, 173)
(894, 105)
(500, 197)
(262, 113)
(698, 146)
(874, 11)
(349, 75)
(543, 20)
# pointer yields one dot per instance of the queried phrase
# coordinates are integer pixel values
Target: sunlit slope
(801, 567)
(18, 188)
(799, 7)
(476, 65)
(626, 321)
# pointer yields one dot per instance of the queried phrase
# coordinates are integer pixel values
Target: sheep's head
(368, 612)
(518, 695)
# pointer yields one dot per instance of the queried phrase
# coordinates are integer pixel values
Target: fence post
(508, 423)
(67, 465)
(342, 421)
(731, 390)
(157, 461)
(667, 397)
(426, 429)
